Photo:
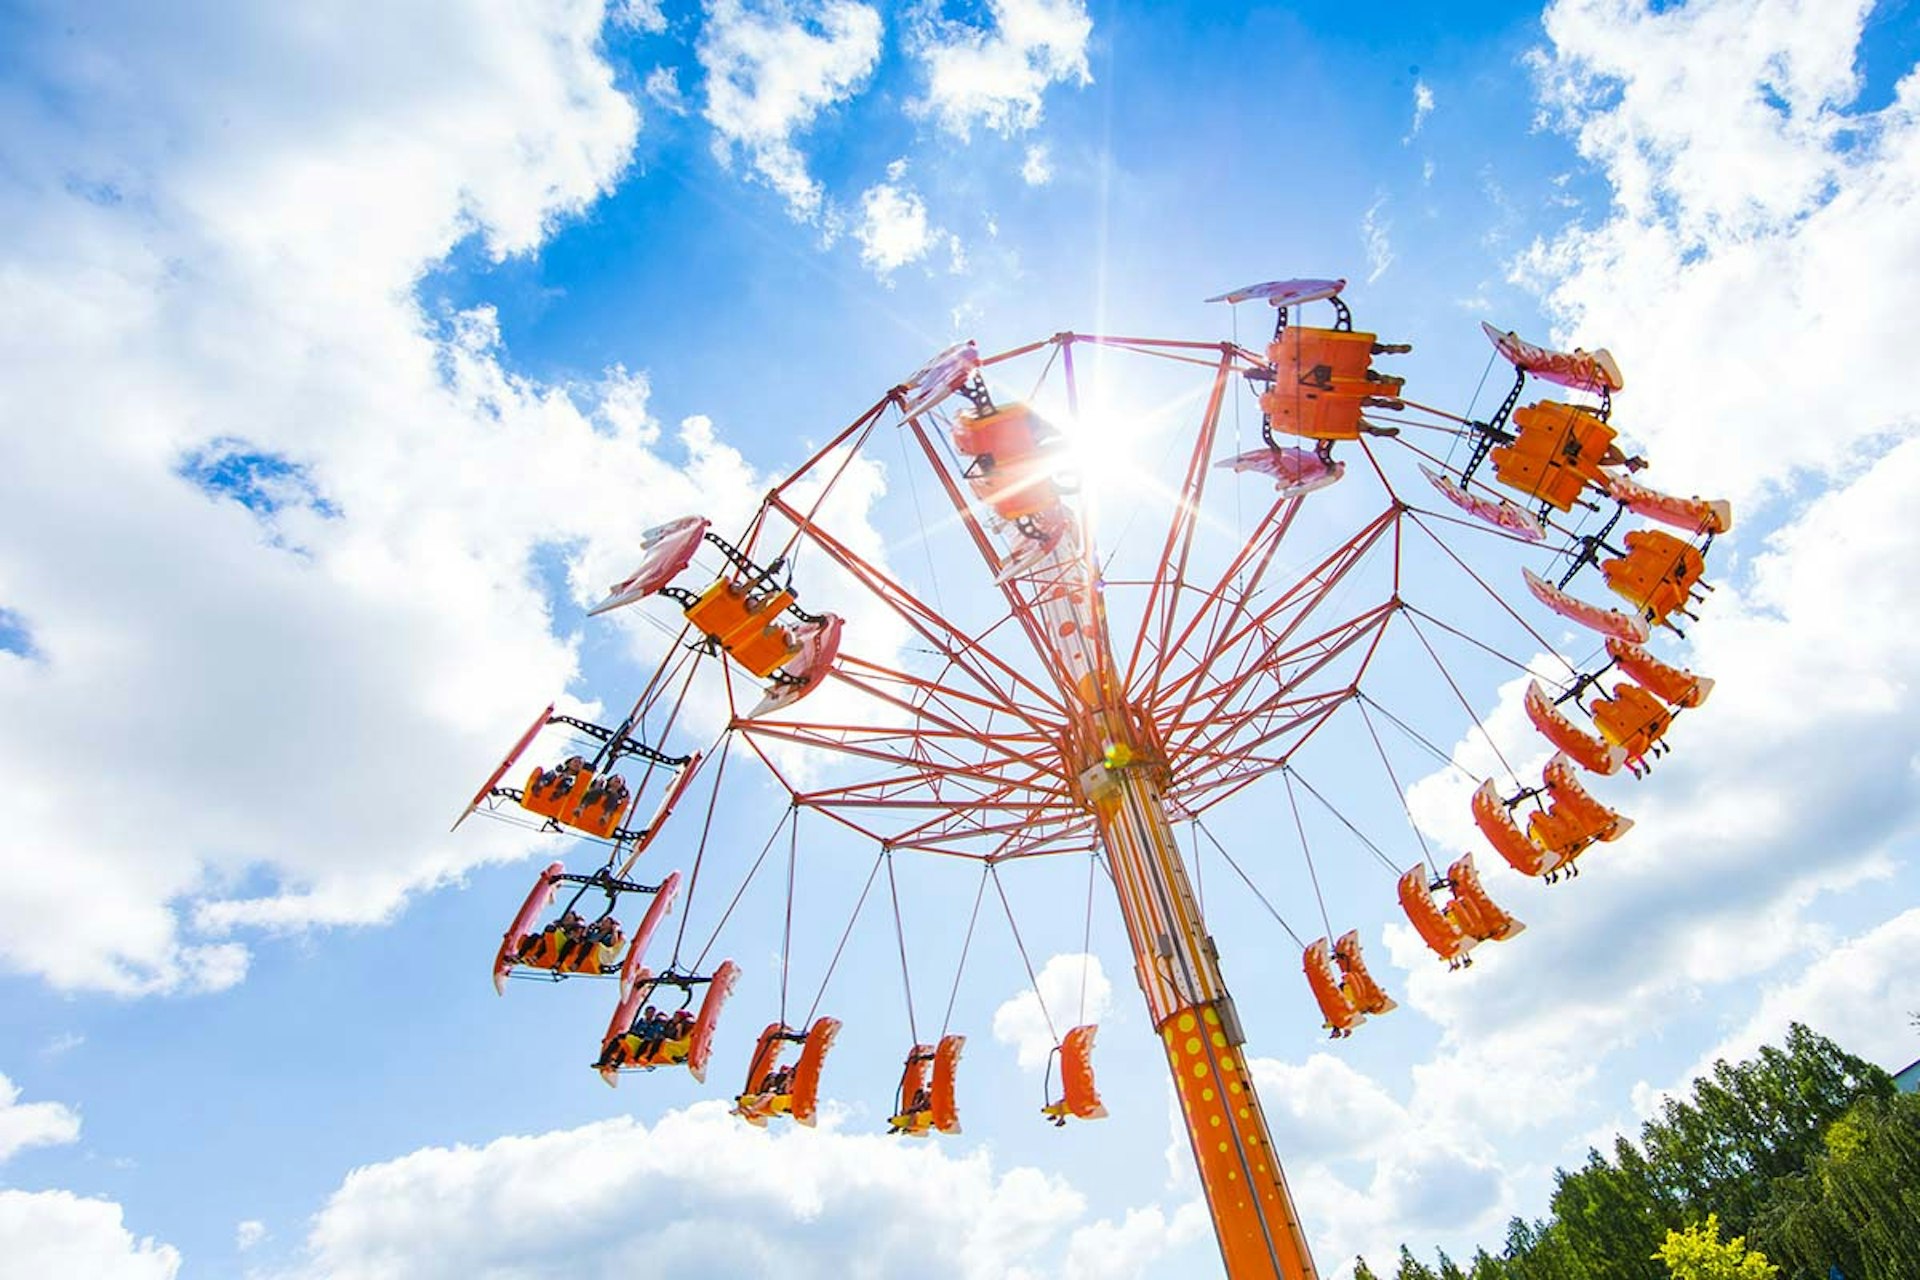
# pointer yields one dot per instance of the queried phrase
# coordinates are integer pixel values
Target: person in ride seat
(561, 779)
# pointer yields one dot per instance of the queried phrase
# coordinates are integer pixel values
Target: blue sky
(347, 352)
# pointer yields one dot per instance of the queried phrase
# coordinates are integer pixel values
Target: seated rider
(561, 779)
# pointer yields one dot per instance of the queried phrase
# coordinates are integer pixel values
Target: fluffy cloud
(772, 68)
(893, 230)
(715, 1197)
(1422, 108)
(1366, 1171)
(56, 1233)
(997, 75)
(1072, 986)
(1754, 211)
(32, 1124)
(1037, 169)
(288, 605)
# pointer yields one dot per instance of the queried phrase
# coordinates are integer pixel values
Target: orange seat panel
(1658, 573)
(1558, 450)
(1632, 719)
(1362, 991)
(745, 625)
(1336, 1010)
(1442, 934)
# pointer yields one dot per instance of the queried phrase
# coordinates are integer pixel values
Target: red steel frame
(1034, 737)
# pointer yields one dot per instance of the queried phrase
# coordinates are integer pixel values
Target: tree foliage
(1857, 1206)
(1698, 1253)
(1744, 1132)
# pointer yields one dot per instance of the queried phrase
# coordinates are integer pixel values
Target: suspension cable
(1025, 959)
(700, 855)
(1248, 881)
(845, 934)
(786, 933)
(1418, 737)
(739, 893)
(965, 946)
(1346, 822)
(1426, 854)
(1293, 801)
(1468, 706)
(900, 935)
(1086, 935)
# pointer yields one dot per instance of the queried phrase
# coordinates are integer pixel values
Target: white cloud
(893, 229)
(1422, 108)
(662, 87)
(1030, 1022)
(772, 68)
(638, 15)
(714, 1197)
(1367, 1172)
(302, 549)
(1754, 213)
(249, 1233)
(1743, 192)
(56, 1233)
(1860, 995)
(998, 75)
(32, 1124)
(1374, 239)
(1037, 169)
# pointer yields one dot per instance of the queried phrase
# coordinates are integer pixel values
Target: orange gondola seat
(1322, 380)
(1476, 914)
(1437, 927)
(1657, 575)
(1590, 751)
(643, 1037)
(1012, 460)
(1495, 819)
(1336, 1010)
(1558, 449)
(601, 807)
(1635, 721)
(1673, 685)
(557, 791)
(744, 621)
(775, 1090)
(1572, 820)
(1079, 1098)
(1362, 992)
(925, 1102)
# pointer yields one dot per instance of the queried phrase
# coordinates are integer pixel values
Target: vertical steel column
(1179, 973)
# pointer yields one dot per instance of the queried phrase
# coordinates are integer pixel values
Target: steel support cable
(1468, 706)
(700, 855)
(1293, 802)
(920, 521)
(1475, 399)
(1379, 746)
(786, 932)
(844, 935)
(1416, 736)
(1086, 937)
(790, 816)
(1491, 593)
(1025, 959)
(1248, 881)
(1346, 822)
(900, 936)
(1473, 640)
(966, 945)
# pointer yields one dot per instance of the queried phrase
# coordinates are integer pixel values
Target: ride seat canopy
(744, 624)
(1440, 930)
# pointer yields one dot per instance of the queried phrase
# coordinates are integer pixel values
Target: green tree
(1698, 1253)
(1858, 1206)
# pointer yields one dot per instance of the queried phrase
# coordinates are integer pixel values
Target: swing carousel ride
(1265, 646)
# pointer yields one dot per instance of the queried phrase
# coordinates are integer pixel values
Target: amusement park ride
(1065, 701)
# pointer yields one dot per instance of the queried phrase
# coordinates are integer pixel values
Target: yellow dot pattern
(1235, 1158)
